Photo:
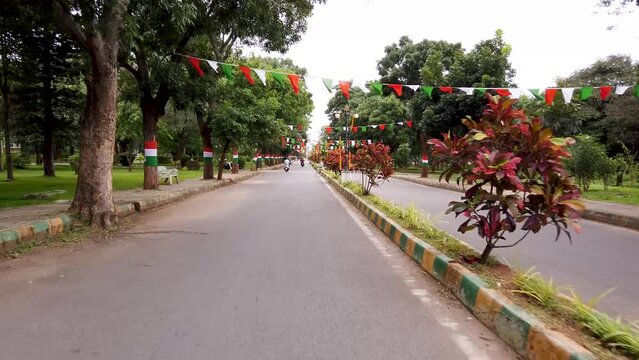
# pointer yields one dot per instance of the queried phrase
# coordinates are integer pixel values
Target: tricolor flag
(207, 152)
(424, 160)
(150, 153)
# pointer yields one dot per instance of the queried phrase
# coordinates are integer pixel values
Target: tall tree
(162, 27)
(96, 26)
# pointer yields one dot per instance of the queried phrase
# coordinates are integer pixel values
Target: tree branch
(515, 243)
(66, 22)
(130, 68)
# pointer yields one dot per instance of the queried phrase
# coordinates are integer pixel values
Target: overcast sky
(550, 38)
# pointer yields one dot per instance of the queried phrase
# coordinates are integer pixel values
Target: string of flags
(363, 129)
(376, 87)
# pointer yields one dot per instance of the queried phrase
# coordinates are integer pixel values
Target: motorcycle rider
(287, 164)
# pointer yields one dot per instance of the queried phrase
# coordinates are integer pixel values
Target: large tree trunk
(7, 129)
(47, 102)
(207, 143)
(220, 165)
(150, 118)
(1, 160)
(422, 141)
(94, 195)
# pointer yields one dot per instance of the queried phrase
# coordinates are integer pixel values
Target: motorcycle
(287, 166)
(302, 162)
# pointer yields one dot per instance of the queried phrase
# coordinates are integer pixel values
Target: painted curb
(520, 330)
(631, 222)
(40, 229)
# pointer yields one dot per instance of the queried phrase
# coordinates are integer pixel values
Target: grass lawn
(619, 194)
(32, 181)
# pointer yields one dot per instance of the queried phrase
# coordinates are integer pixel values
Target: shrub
(515, 170)
(375, 164)
(333, 160)
(22, 162)
(185, 160)
(242, 160)
(402, 156)
(74, 162)
(587, 157)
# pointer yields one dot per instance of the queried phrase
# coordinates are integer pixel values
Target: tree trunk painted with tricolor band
(236, 161)
(207, 145)
(150, 120)
(424, 160)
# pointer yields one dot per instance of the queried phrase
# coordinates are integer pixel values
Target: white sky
(550, 38)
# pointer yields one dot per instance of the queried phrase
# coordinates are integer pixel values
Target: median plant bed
(605, 337)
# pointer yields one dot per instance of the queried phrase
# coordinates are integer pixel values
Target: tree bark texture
(205, 134)
(48, 116)
(6, 96)
(150, 118)
(94, 195)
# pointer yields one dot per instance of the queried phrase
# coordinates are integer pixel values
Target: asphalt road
(276, 267)
(602, 257)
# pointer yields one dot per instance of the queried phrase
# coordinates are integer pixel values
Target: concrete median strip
(26, 233)
(519, 329)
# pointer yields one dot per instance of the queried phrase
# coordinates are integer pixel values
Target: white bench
(168, 174)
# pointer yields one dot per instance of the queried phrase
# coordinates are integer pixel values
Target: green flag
(228, 70)
(637, 91)
(329, 84)
(536, 93)
(481, 91)
(279, 77)
(586, 92)
(376, 87)
(362, 128)
(428, 90)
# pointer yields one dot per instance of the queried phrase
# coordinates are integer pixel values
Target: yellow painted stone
(397, 236)
(387, 228)
(454, 274)
(488, 305)
(56, 226)
(410, 247)
(428, 261)
(25, 234)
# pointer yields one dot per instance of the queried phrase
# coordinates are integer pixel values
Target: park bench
(168, 174)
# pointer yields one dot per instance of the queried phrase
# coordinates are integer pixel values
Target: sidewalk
(605, 212)
(21, 224)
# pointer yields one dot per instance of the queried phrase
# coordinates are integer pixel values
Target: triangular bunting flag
(354, 129)
(409, 123)
(363, 128)
(481, 91)
(446, 89)
(247, 74)
(376, 87)
(228, 71)
(261, 74)
(503, 92)
(550, 96)
(212, 64)
(604, 92)
(300, 127)
(413, 87)
(391, 126)
(295, 82)
(374, 126)
(279, 77)
(329, 130)
(467, 90)
(382, 126)
(195, 62)
(400, 123)
(396, 87)
(536, 93)
(361, 85)
(428, 90)
(290, 127)
(516, 93)
(345, 86)
(620, 90)
(586, 92)
(567, 93)
(329, 84)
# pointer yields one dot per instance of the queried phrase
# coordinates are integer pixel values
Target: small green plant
(74, 162)
(531, 284)
(613, 332)
(22, 162)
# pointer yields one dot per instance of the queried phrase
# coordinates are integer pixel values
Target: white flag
(400, 123)
(374, 126)
(213, 64)
(361, 85)
(413, 87)
(261, 74)
(467, 90)
(567, 92)
(515, 93)
(619, 90)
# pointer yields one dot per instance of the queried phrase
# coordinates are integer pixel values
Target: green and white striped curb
(628, 221)
(35, 230)
(519, 329)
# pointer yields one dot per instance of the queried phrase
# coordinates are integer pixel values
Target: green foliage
(588, 157)
(165, 159)
(514, 168)
(22, 162)
(402, 156)
(531, 284)
(74, 162)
